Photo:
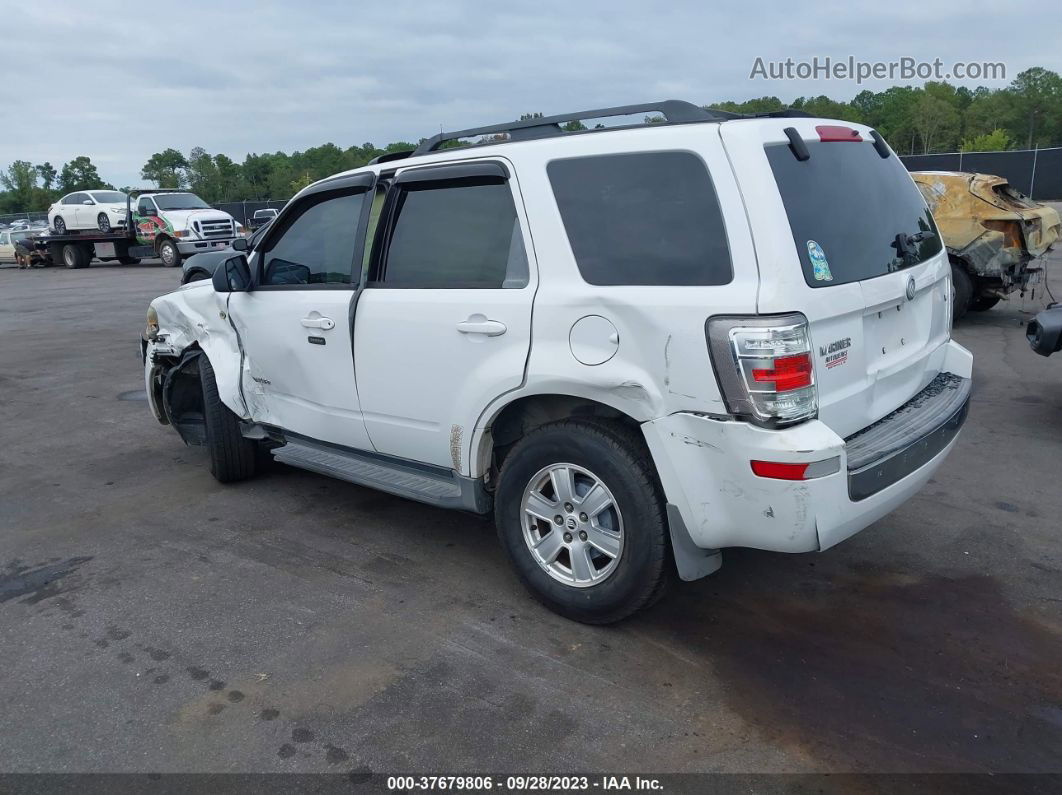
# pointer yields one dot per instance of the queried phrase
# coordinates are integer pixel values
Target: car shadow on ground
(886, 670)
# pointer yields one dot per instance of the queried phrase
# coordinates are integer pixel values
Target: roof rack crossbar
(674, 111)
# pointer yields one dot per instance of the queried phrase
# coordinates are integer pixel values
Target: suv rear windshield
(848, 209)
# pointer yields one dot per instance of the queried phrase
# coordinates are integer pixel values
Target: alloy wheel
(572, 525)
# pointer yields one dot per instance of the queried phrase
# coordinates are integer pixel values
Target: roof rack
(674, 111)
(387, 157)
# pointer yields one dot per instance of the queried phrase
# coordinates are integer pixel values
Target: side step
(435, 486)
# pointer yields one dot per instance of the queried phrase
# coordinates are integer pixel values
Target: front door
(444, 325)
(294, 327)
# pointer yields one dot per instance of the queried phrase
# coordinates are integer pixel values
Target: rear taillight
(764, 366)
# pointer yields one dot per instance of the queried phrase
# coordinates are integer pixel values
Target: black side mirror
(241, 244)
(233, 275)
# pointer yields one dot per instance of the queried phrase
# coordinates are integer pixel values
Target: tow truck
(149, 230)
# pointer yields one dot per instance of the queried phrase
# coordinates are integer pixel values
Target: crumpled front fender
(197, 315)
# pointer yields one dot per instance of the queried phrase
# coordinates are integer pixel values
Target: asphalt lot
(154, 620)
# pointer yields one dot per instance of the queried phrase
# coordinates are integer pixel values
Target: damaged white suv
(636, 346)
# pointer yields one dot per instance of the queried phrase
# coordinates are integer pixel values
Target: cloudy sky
(239, 77)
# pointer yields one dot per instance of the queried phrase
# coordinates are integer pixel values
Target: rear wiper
(903, 244)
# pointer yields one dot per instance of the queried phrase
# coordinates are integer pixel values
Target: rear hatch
(844, 236)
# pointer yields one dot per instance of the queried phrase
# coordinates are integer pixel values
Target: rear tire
(59, 225)
(983, 303)
(599, 455)
(232, 457)
(962, 292)
(75, 256)
(168, 253)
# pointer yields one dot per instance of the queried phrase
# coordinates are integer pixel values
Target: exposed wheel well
(525, 414)
(182, 395)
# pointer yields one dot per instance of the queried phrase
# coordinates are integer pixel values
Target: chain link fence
(8, 218)
(1035, 172)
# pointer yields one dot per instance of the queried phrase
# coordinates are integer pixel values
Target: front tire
(168, 253)
(103, 223)
(580, 514)
(232, 457)
(59, 225)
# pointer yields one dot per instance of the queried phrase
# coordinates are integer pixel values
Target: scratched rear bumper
(704, 467)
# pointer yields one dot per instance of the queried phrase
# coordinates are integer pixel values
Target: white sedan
(88, 209)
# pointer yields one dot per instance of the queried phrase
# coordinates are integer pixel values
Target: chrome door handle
(479, 324)
(319, 322)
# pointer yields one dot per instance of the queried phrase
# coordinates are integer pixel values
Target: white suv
(636, 345)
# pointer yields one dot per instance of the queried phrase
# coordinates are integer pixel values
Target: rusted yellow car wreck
(993, 234)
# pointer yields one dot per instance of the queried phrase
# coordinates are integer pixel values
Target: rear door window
(846, 207)
(646, 218)
(454, 235)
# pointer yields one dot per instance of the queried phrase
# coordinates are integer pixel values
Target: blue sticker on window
(819, 266)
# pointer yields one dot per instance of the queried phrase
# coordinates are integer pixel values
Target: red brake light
(779, 471)
(788, 372)
(837, 133)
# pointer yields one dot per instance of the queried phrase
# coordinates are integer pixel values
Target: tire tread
(232, 457)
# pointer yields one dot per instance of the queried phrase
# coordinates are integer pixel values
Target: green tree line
(938, 117)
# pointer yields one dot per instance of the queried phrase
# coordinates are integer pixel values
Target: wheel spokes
(563, 480)
(583, 569)
(607, 542)
(550, 546)
(595, 501)
(540, 508)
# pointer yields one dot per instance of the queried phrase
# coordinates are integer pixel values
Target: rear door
(444, 325)
(845, 237)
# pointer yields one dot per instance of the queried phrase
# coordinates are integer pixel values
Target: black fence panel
(244, 211)
(1036, 173)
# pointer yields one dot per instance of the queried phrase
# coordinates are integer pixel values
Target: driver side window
(317, 247)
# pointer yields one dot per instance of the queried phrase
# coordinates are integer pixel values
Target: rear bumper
(704, 467)
(908, 438)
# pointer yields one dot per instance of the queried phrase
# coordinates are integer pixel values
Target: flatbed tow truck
(134, 240)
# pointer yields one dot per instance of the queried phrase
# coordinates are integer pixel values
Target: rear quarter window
(649, 218)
